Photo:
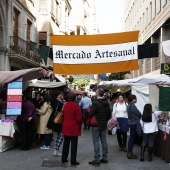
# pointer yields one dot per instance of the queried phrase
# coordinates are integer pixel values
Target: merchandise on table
(8, 119)
(164, 118)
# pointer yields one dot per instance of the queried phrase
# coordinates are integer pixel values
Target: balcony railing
(22, 47)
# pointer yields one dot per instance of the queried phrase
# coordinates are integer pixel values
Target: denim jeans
(47, 139)
(98, 133)
(132, 137)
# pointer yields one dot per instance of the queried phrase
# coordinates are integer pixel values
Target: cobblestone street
(33, 159)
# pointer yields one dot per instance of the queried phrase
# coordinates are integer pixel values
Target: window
(146, 18)
(15, 22)
(28, 36)
(15, 28)
(164, 2)
(140, 24)
(52, 7)
(154, 9)
(57, 10)
(143, 22)
(158, 6)
(43, 6)
(150, 12)
(28, 30)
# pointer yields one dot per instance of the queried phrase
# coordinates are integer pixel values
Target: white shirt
(120, 110)
(151, 127)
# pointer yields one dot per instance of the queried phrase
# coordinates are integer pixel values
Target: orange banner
(89, 40)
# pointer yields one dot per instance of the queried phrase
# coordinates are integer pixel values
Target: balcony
(20, 51)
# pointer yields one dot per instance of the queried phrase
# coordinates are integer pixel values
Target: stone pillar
(164, 37)
(4, 63)
(153, 59)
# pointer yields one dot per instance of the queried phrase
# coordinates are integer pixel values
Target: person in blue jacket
(134, 116)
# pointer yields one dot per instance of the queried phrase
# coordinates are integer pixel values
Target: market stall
(145, 88)
(12, 84)
(152, 89)
(159, 85)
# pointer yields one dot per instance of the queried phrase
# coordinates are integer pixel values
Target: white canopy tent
(46, 84)
(155, 79)
(145, 88)
(140, 90)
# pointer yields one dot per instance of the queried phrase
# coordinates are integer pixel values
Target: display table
(7, 131)
(162, 144)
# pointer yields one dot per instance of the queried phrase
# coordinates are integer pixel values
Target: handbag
(91, 121)
(59, 118)
(139, 130)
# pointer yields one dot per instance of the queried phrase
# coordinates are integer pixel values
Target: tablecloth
(7, 131)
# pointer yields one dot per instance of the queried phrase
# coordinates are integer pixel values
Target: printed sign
(95, 54)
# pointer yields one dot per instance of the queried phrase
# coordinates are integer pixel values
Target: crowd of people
(37, 120)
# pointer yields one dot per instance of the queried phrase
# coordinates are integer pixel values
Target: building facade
(64, 17)
(23, 22)
(151, 18)
(17, 29)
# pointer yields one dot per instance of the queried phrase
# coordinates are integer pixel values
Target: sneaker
(94, 162)
(104, 161)
(57, 153)
(44, 147)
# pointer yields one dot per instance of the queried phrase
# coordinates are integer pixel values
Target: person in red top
(71, 128)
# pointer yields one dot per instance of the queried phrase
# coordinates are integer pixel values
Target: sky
(109, 15)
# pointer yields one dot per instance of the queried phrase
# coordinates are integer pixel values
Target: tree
(81, 82)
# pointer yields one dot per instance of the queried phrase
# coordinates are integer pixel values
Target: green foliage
(117, 76)
(81, 82)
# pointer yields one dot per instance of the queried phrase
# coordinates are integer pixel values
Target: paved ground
(32, 160)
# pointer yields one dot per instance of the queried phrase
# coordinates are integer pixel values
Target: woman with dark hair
(57, 105)
(44, 113)
(134, 116)
(149, 124)
(71, 128)
(120, 113)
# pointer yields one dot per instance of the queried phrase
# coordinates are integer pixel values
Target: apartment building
(152, 19)
(17, 29)
(64, 17)
(23, 22)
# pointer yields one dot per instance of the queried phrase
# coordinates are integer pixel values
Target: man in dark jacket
(101, 109)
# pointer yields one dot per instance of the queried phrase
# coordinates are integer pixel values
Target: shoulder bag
(91, 121)
(59, 117)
